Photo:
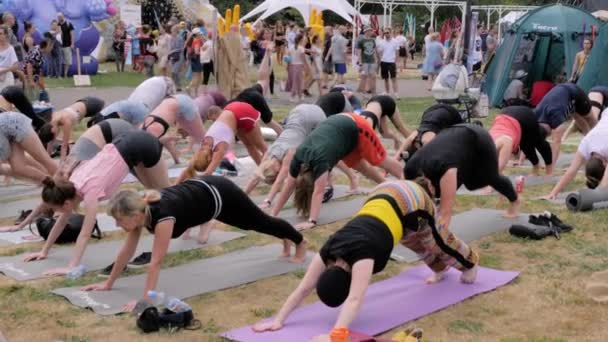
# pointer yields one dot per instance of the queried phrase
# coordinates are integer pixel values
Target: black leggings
(17, 98)
(271, 82)
(93, 105)
(207, 71)
(486, 169)
(238, 210)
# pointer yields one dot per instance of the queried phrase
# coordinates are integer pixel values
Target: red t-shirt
(539, 90)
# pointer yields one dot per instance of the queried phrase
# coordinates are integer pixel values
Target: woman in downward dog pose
(17, 137)
(180, 110)
(147, 96)
(237, 118)
(379, 110)
(66, 119)
(97, 180)
(346, 137)
(168, 214)
(302, 120)
(462, 154)
(593, 153)
(395, 212)
(516, 128)
(434, 119)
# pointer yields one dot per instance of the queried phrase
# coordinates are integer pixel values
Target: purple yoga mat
(388, 304)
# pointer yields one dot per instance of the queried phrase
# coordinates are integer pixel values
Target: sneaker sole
(135, 266)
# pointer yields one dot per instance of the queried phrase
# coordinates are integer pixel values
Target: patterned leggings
(440, 249)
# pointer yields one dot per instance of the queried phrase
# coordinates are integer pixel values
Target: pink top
(100, 177)
(220, 132)
(509, 126)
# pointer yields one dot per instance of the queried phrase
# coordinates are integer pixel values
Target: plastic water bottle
(156, 298)
(177, 305)
(77, 272)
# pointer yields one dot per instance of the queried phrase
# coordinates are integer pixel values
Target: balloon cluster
(316, 23)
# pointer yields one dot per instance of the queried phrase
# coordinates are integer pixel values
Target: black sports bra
(159, 120)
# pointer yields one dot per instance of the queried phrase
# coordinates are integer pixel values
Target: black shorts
(93, 105)
(402, 52)
(388, 69)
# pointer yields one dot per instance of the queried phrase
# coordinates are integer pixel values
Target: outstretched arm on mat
(576, 164)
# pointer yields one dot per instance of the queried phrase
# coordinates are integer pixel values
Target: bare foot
(186, 235)
(513, 210)
(487, 190)
(203, 233)
(435, 278)
(300, 256)
(469, 276)
(286, 249)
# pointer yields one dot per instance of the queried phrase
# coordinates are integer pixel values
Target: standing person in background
(207, 61)
(119, 37)
(317, 62)
(28, 31)
(279, 41)
(411, 46)
(388, 48)
(33, 68)
(427, 39)
(368, 61)
(328, 66)
(433, 60)
(477, 55)
(147, 50)
(299, 63)
(67, 42)
(483, 34)
(291, 35)
(193, 47)
(53, 55)
(176, 57)
(200, 23)
(338, 48)
(8, 58)
(164, 47)
(491, 41)
(402, 41)
(581, 60)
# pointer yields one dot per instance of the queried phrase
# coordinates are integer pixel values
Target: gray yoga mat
(330, 212)
(19, 190)
(192, 279)
(530, 181)
(563, 161)
(468, 226)
(98, 255)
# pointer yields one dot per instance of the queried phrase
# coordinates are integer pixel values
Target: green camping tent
(542, 43)
(596, 72)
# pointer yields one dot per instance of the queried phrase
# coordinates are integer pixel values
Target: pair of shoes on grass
(141, 261)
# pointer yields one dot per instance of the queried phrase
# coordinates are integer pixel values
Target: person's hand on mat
(129, 306)
(549, 197)
(34, 257)
(96, 287)
(57, 271)
(10, 229)
(305, 225)
(264, 205)
(267, 326)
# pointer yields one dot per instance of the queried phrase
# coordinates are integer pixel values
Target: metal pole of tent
(499, 26)
(433, 15)
(384, 4)
(488, 15)
(390, 15)
(355, 33)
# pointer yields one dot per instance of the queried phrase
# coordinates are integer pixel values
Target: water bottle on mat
(519, 184)
(77, 272)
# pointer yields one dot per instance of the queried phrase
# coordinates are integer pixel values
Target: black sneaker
(23, 215)
(141, 261)
(564, 227)
(105, 273)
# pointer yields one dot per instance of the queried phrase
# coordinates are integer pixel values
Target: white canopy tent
(270, 7)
